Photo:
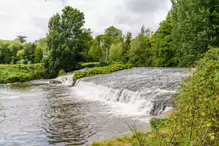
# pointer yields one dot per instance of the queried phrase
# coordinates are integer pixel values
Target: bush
(101, 70)
(157, 123)
(195, 121)
(62, 72)
(90, 64)
(20, 73)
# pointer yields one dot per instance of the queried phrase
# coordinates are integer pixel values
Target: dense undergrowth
(101, 70)
(195, 120)
(20, 73)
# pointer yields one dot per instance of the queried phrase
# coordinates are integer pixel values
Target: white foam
(122, 101)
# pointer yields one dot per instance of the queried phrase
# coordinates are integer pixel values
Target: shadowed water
(39, 114)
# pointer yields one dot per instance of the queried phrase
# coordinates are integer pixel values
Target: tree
(66, 39)
(21, 38)
(163, 55)
(116, 52)
(127, 47)
(194, 29)
(112, 35)
(140, 53)
(41, 43)
(38, 55)
(29, 50)
(95, 51)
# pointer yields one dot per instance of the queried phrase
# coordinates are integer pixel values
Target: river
(100, 107)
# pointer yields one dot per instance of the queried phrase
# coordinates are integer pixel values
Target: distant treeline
(20, 52)
(191, 27)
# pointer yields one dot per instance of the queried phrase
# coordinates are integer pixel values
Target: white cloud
(30, 17)
(26, 17)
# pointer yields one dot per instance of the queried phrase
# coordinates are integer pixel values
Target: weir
(148, 91)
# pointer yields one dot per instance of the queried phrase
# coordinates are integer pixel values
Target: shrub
(101, 70)
(195, 121)
(62, 72)
(157, 123)
(20, 73)
(90, 64)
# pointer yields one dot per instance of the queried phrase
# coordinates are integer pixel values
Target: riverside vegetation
(20, 73)
(101, 70)
(195, 120)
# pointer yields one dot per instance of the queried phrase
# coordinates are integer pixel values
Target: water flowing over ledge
(147, 91)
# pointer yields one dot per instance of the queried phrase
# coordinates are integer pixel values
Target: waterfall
(144, 90)
(66, 79)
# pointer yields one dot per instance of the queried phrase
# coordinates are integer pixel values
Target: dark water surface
(41, 115)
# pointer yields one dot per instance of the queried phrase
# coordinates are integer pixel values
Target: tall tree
(139, 54)
(195, 27)
(66, 39)
(127, 47)
(112, 35)
(38, 55)
(162, 52)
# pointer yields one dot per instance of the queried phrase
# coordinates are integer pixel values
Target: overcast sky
(30, 17)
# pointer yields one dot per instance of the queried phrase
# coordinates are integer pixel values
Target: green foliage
(15, 52)
(38, 55)
(29, 50)
(42, 43)
(49, 68)
(90, 64)
(20, 73)
(196, 117)
(67, 40)
(111, 36)
(116, 52)
(139, 54)
(126, 47)
(62, 72)
(162, 53)
(101, 70)
(157, 123)
(95, 51)
(194, 29)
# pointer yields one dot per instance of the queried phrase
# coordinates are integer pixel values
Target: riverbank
(137, 133)
(20, 73)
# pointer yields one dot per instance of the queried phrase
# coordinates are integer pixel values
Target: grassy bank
(101, 70)
(20, 73)
(194, 121)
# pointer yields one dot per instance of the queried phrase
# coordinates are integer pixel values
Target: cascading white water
(66, 79)
(143, 90)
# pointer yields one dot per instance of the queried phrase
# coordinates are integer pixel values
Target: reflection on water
(53, 115)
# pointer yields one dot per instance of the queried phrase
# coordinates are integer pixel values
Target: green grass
(20, 73)
(101, 70)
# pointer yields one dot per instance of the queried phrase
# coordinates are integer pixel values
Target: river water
(97, 108)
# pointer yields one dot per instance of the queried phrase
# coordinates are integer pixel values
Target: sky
(31, 17)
